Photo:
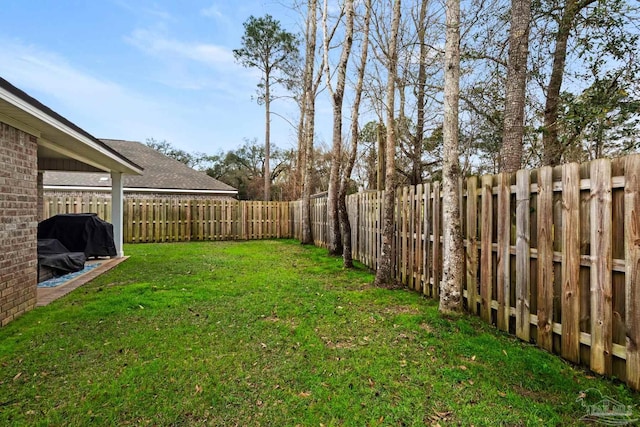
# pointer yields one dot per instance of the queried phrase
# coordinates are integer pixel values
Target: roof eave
(138, 189)
(60, 134)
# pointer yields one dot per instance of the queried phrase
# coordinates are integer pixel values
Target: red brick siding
(18, 222)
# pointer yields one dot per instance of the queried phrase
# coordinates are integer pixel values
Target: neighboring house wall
(18, 222)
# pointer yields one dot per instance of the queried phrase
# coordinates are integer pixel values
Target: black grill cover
(80, 233)
(53, 254)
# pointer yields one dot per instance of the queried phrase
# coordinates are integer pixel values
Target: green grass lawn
(271, 333)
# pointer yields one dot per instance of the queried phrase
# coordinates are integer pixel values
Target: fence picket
(545, 258)
(426, 256)
(436, 263)
(486, 243)
(601, 258)
(417, 254)
(503, 273)
(523, 255)
(571, 262)
(632, 265)
(472, 244)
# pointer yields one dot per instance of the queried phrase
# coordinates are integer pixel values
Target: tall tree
(513, 133)
(452, 254)
(337, 97)
(594, 42)
(345, 225)
(308, 112)
(418, 138)
(243, 168)
(384, 273)
(272, 50)
(552, 146)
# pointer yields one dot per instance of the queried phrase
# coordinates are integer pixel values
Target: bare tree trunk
(553, 148)
(309, 112)
(267, 137)
(381, 166)
(345, 225)
(416, 168)
(513, 134)
(453, 255)
(384, 273)
(337, 95)
(300, 158)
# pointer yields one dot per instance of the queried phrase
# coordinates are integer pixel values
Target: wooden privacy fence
(180, 220)
(552, 254)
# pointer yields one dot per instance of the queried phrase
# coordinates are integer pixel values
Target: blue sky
(143, 69)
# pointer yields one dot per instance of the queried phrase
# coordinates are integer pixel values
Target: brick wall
(18, 222)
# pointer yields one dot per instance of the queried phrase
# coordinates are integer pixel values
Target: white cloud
(212, 11)
(142, 11)
(195, 66)
(102, 107)
(152, 42)
(31, 67)
(215, 113)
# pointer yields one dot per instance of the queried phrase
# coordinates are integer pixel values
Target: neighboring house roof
(162, 174)
(57, 136)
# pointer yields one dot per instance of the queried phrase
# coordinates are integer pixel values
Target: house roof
(58, 137)
(161, 174)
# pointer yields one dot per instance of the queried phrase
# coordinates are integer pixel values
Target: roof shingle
(160, 172)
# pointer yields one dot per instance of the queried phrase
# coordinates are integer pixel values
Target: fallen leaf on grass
(17, 376)
(464, 368)
(198, 389)
(501, 394)
(304, 394)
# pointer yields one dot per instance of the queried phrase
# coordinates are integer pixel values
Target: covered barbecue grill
(84, 232)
